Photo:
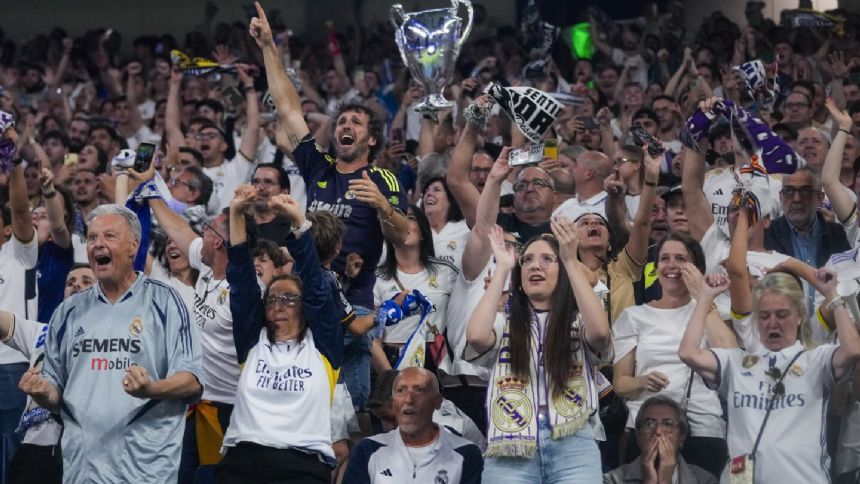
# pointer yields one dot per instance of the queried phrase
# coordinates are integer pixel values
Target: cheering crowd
(246, 258)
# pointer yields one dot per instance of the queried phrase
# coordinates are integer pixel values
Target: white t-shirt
(465, 361)
(436, 287)
(640, 75)
(28, 338)
(715, 244)
(16, 258)
(718, 187)
(449, 243)
(215, 322)
(161, 273)
(632, 202)
(758, 264)
(225, 178)
(793, 444)
(573, 207)
(142, 135)
(655, 335)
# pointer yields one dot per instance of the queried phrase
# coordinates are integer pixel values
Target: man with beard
(368, 199)
(121, 354)
(107, 140)
(79, 134)
(85, 192)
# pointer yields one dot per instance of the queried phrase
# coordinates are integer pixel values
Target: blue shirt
(806, 244)
(327, 190)
(53, 268)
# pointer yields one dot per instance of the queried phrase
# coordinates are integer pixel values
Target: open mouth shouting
(174, 254)
(102, 261)
(347, 139)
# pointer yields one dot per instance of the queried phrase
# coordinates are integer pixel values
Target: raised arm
(172, 110)
(675, 81)
(251, 136)
(479, 331)
(464, 192)
(176, 227)
(599, 43)
(135, 119)
(843, 205)
(690, 351)
(736, 267)
(245, 304)
(848, 353)
(477, 251)
(698, 209)
(22, 221)
(594, 318)
(54, 205)
(637, 246)
(291, 124)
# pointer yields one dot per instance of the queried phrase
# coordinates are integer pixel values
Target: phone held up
(145, 151)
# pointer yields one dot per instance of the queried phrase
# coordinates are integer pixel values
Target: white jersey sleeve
(28, 337)
(26, 253)
(195, 253)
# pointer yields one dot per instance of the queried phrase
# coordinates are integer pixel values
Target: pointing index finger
(260, 12)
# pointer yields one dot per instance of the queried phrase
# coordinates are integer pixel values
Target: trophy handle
(471, 13)
(396, 15)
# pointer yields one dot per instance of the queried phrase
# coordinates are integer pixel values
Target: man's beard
(76, 145)
(359, 151)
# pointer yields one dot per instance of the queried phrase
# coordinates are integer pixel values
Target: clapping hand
(564, 231)
(712, 286)
(842, 118)
(287, 206)
(243, 197)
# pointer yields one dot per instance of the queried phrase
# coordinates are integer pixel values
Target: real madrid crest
(749, 361)
(222, 296)
(433, 282)
(796, 370)
(512, 410)
(349, 195)
(136, 327)
(452, 245)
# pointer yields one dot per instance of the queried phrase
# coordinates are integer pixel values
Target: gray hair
(549, 177)
(683, 423)
(113, 209)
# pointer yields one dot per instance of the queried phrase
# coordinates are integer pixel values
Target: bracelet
(835, 303)
(844, 131)
(301, 229)
(248, 89)
(650, 184)
(49, 195)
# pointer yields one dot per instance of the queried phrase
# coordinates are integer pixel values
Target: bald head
(420, 375)
(589, 171)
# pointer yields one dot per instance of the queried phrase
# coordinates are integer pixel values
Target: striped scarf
(512, 402)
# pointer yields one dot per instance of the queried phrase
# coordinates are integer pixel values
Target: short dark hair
(6, 213)
(454, 212)
(283, 177)
(271, 250)
(202, 183)
(211, 104)
(57, 135)
(198, 157)
(250, 226)
(111, 133)
(375, 125)
(664, 97)
(328, 231)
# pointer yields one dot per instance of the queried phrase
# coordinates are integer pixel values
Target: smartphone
(232, 97)
(143, 157)
(397, 135)
(71, 159)
(550, 149)
(641, 136)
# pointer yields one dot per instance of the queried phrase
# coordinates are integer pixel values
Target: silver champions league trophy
(429, 42)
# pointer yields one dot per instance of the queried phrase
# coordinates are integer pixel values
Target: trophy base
(433, 104)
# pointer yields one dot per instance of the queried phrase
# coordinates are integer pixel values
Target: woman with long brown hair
(542, 398)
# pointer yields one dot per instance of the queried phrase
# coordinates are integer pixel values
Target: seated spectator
(427, 451)
(662, 430)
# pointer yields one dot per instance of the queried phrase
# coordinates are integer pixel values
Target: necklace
(207, 291)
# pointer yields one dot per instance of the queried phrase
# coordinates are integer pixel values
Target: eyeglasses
(513, 244)
(543, 260)
(804, 192)
(649, 425)
(620, 161)
(536, 183)
(176, 181)
(796, 105)
(206, 136)
(208, 226)
(288, 300)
